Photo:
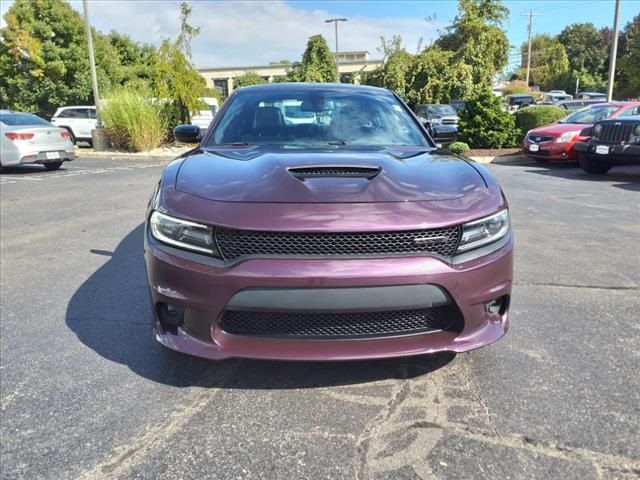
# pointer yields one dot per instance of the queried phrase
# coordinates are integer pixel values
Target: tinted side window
(82, 113)
(92, 113)
(67, 113)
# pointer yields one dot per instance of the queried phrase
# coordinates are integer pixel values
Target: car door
(83, 122)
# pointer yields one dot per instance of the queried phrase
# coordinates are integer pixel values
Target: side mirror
(187, 133)
(445, 134)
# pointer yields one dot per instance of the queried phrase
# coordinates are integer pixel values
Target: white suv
(78, 120)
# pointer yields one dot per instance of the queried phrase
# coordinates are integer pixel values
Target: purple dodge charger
(322, 222)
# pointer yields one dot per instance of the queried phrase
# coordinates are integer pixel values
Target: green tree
(549, 62)
(248, 78)
(477, 38)
(438, 76)
(187, 31)
(628, 67)
(585, 47)
(483, 124)
(318, 64)
(43, 57)
(177, 83)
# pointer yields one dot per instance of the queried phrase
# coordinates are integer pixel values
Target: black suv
(615, 141)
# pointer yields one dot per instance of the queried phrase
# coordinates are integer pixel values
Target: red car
(556, 141)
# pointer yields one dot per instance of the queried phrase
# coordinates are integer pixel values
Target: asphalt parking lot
(86, 393)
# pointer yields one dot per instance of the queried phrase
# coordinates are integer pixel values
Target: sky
(245, 33)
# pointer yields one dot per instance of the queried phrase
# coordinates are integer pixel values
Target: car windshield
(590, 115)
(441, 110)
(22, 119)
(316, 117)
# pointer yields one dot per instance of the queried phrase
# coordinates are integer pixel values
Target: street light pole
(335, 23)
(530, 15)
(92, 62)
(98, 135)
(614, 51)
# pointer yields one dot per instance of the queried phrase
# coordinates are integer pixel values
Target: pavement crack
(372, 430)
(124, 457)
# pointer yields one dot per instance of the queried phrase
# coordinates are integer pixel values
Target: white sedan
(27, 138)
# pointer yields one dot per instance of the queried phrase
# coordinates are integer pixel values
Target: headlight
(638, 129)
(597, 129)
(436, 120)
(567, 136)
(484, 231)
(182, 233)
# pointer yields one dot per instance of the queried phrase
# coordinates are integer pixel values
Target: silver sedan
(27, 138)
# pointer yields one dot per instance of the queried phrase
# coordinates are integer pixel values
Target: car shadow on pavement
(110, 313)
(29, 170)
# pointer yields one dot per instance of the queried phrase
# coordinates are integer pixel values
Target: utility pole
(98, 135)
(530, 15)
(614, 51)
(335, 23)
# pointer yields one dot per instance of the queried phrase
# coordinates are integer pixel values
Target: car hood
(328, 175)
(558, 129)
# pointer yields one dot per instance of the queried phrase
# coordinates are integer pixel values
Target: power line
(530, 15)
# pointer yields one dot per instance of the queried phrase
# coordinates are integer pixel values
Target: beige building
(350, 66)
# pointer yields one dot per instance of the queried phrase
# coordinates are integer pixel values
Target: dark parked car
(573, 105)
(347, 238)
(517, 101)
(613, 142)
(437, 114)
(592, 96)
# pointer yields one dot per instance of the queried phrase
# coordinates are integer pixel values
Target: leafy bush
(459, 148)
(132, 122)
(537, 116)
(483, 123)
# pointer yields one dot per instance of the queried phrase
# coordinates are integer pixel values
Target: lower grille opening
(328, 325)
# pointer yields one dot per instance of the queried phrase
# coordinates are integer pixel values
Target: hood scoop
(336, 171)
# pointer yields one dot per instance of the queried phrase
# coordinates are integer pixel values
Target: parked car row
(559, 141)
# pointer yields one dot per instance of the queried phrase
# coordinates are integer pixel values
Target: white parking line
(77, 171)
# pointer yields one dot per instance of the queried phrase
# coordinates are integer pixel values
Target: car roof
(520, 95)
(313, 86)
(76, 106)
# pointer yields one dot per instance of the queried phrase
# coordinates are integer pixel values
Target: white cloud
(248, 33)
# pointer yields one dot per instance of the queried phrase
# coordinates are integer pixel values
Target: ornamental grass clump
(132, 121)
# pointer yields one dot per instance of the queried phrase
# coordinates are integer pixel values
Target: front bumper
(205, 291)
(550, 151)
(617, 154)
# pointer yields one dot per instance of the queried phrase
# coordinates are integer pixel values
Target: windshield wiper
(337, 142)
(236, 144)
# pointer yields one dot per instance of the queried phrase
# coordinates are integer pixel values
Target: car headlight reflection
(182, 233)
(484, 231)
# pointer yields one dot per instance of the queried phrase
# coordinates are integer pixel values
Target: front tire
(592, 166)
(52, 166)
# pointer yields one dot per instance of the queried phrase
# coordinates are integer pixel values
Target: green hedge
(458, 147)
(538, 116)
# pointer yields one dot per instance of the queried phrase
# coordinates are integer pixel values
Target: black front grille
(240, 243)
(613, 134)
(312, 325)
(310, 172)
(540, 139)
